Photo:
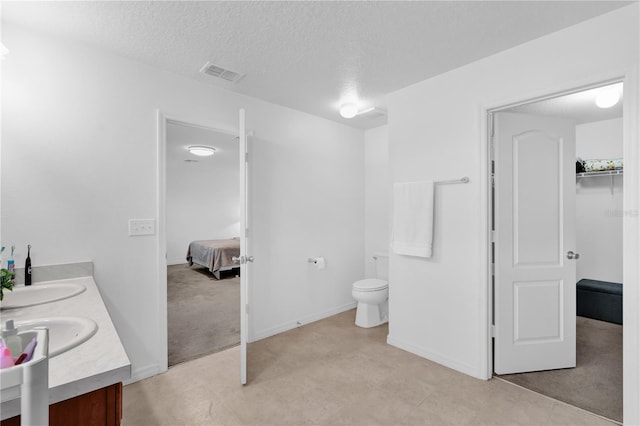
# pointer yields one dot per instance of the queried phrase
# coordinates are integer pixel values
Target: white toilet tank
(382, 265)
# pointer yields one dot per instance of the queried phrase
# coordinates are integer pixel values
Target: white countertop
(100, 361)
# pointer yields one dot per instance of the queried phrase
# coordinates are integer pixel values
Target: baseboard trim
(177, 262)
(143, 373)
(435, 357)
(263, 334)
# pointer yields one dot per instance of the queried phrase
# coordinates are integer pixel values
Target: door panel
(535, 215)
(530, 298)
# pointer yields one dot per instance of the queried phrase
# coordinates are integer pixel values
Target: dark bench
(599, 300)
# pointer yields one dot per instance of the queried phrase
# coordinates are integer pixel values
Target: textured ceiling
(309, 56)
(180, 136)
(580, 107)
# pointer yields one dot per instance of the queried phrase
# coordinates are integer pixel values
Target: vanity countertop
(100, 361)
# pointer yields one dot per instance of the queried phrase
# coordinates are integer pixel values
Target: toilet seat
(370, 284)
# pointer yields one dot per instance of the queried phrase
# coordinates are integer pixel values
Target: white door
(535, 269)
(244, 259)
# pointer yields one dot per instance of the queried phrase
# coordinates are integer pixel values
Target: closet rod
(447, 182)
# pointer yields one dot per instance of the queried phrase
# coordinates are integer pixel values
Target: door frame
(631, 228)
(161, 209)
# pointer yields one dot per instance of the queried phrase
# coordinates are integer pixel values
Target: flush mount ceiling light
(348, 110)
(202, 150)
(608, 97)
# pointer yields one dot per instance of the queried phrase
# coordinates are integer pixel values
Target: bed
(215, 255)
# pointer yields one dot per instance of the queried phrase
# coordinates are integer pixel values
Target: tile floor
(334, 373)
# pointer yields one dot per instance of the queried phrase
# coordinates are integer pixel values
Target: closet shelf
(610, 173)
(602, 173)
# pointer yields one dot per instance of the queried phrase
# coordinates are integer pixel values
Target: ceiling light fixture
(201, 150)
(348, 110)
(606, 98)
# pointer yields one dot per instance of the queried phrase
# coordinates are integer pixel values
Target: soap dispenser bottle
(11, 338)
(6, 357)
(11, 264)
(27, 267)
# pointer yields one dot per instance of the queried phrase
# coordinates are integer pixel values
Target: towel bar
(446, 182)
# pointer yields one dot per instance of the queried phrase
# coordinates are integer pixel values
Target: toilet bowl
(372, 295)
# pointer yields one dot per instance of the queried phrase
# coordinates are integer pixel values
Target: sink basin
(24, 296)
(64, 332)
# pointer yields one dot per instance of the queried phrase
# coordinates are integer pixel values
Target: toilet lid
(370, 284)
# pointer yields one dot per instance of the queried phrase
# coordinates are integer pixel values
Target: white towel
(413, 205)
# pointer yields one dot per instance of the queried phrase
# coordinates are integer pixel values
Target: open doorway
(594, 252)
(202, 237)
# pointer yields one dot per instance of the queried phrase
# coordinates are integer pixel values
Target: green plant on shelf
(6, 283)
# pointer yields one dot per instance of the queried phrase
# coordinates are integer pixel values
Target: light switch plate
(142, 227)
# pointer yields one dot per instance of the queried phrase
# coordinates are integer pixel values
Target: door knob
(250, 259)
(572, 255)
(235, 259)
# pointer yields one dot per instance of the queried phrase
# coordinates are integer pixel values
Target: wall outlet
(142, 227)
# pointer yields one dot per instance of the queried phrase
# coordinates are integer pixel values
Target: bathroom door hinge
(493, 330)
(493, 269)
(493, 236)
(246, 157)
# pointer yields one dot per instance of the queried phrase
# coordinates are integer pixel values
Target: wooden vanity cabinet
(102, 407)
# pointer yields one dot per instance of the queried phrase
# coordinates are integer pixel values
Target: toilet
(372, 295)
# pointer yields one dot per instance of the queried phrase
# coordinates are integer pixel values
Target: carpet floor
(203, 313)
(596, 383)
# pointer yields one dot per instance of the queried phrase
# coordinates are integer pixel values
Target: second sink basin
(64, 332)
(37, 294)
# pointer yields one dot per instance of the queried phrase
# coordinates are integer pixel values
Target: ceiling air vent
(373, 112)
(225, 74)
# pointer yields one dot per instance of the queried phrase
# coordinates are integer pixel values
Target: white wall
(79, 158)
(377, 195)
(599, 213)
(203, 197)
(307, 190)
(436, 131)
